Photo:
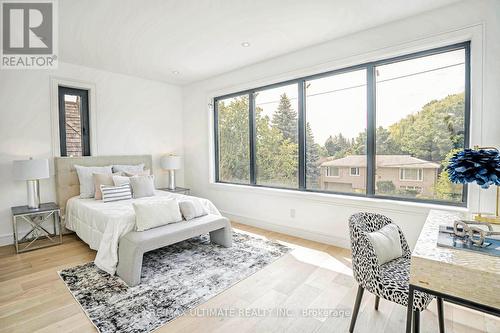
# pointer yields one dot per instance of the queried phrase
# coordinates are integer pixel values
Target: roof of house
(383, 161)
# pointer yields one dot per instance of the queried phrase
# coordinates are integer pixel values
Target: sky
(337, 104)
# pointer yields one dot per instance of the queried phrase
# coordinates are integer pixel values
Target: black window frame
(84, 118)
(371, 124)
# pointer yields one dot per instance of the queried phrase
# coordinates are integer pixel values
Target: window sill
(336, 199)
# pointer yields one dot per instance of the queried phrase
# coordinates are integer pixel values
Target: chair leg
(359, 296)
(409, 309)
(377, 301)
(440, 309)
(416, 321)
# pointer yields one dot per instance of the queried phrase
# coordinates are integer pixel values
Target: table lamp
(171, 163)
(31, 171)
(480, 165)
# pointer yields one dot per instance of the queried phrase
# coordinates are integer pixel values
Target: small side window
(74, 131)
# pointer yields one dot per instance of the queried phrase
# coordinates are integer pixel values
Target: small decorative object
(479, 165)
(31, 171)
(171, 163)
(470, 236)
(468, 232)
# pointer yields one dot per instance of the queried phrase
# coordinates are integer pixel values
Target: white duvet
(101, 224)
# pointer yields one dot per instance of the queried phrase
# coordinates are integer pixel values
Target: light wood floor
(313, 276)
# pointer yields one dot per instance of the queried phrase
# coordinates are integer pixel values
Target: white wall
(324, 217)
(133, 116)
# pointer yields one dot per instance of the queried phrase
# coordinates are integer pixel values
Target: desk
(461, 277)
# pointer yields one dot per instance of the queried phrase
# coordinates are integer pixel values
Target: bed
(102, 225)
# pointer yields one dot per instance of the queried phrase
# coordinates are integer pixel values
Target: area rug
(174, 279)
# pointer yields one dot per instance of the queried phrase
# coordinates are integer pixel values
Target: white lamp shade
(31, 169)
(171, 162)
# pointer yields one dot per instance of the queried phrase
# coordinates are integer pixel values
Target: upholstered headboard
(67, 184)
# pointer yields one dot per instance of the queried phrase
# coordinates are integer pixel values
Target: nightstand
(40, 222)
(180, 190)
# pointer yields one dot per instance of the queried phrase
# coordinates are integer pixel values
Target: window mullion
(370, 131)
(252, 136)
(302, 134)
(216, 138)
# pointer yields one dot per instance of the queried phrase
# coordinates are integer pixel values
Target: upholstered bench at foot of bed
(133, 245)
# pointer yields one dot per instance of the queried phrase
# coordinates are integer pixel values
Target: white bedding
(101, 225)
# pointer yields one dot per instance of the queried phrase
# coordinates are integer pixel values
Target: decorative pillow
(151, 214)
(86, 180)
(102, 179)
(129, 168)
(191, 209)
(387, 243)
(120, 180)
(146, 172)
(142, 186)
(116, 193)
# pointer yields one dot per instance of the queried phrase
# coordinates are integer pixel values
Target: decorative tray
(447, 238)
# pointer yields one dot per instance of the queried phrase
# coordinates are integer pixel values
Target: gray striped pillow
(116, 193)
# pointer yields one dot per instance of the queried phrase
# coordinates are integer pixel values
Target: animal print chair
(390, 280)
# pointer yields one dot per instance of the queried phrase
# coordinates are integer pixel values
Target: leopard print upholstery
(390, 280)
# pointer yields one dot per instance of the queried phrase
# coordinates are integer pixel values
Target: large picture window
(233, 139)
(381, 129)
(277, 136)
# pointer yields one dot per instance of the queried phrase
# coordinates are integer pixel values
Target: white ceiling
(202, 38)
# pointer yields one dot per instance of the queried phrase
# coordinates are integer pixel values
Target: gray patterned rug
(174, 279)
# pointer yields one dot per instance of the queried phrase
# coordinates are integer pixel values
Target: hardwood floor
(313, 277)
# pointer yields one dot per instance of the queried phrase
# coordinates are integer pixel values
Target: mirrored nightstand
(42, 226)
(180, 190)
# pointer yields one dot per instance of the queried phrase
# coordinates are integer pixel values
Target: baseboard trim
(296, 232)
(6, 239)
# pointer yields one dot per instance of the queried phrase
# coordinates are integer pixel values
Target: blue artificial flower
(481, 166)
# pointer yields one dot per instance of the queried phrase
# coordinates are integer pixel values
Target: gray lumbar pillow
(142, 186)
(191, 209)
(135, 169)
(387, 243)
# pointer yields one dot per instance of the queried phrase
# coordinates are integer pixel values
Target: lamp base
(33, 194)
(489, 218)
(171, 184)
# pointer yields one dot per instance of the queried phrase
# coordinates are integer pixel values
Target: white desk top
(465, 274)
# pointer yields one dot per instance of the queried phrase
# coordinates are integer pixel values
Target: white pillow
(146, 172)
(142, 186)
(191, 209)
(121, 180)
(85, 177)
(151, 214)
(129, 168)
(387, 243)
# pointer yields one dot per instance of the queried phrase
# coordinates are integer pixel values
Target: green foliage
(434, 131)
(312, 158)
(337, 145)
(277, 156)
(233, 140)
(285, 119)
(385, 187)
(444, 188)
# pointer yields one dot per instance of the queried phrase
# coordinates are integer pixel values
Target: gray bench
(133, 245)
